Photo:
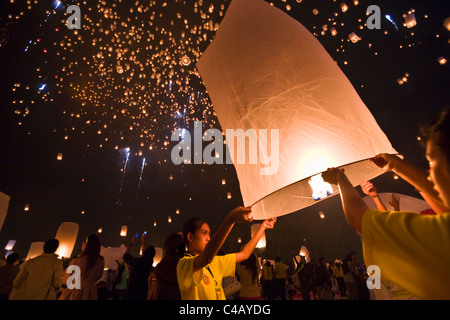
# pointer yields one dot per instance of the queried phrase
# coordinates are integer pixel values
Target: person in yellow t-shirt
(280, 278)
(201, 270)
(410, 249)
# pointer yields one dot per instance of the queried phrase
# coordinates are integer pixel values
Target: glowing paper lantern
(266, 71)
(262, 241)
(353, 37)
(158, 256)
(442, 60)
(344, 7)
(60, 156)
(10, 245)
(410, 20)
(303, 251)
(4, 204)
(322, 215)
(27, 207)
(67, 235)
(111, 255)
(36, 248)
(123, 231)
(447, 23)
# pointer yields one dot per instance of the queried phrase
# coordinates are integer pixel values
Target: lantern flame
(321, 189)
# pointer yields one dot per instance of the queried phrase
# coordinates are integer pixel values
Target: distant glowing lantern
(27, 207)
(67, 235)
(262, 241)
(123, 231)
(239, 240)
(302, 109)
(10, 245)
(442, 60)
(321, 215)
(447, 23)
(333, 31)
(410, 20)
(228, 195)
(100, 230)
(303, 251)
(169, 219)
(158, 256)
(354, 37)
(344, 7)
(185, 61)
(315, 11)
(223, 181)
(36, 249)
(60, 156)
(177, 211)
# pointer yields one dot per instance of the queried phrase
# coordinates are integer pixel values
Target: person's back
(7, 274)
(40, 278)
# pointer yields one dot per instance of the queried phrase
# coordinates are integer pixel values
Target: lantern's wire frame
(318, 200)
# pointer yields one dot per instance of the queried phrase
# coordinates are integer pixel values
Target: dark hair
(149, 252)
(174, 245)
(12, 257)
(250, 263)
(92, 250)
(439, 132)
(51, 245)
(191, 226)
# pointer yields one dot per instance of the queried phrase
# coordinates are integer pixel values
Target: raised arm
(239, 214)
(369, 189)
(251, 245)
(413, 175)
(352, 203)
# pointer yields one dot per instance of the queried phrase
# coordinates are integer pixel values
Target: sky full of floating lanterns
(130, 70)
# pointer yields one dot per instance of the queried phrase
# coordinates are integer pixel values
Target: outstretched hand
(385, 161)
(332, 175)
(369, 189)
(241, 214)
(269, 223)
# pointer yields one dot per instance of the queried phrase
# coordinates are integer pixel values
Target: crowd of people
(47, 277)
(194, 268)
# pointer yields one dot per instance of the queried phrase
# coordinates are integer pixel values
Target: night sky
(119, 82)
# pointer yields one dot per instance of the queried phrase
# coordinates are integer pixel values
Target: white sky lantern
(410, 20)
(303, 251)
(447, 23)
(36, 248)
(158, 256)
(354, 37)
(10, 245)
(262, 241)
(67, 235)
(265, 71)
(4, 205)
(123, 231)
(442, 60)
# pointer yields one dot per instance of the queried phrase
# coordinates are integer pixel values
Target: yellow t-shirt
(280, 270)
(412, 250)
(205, 284)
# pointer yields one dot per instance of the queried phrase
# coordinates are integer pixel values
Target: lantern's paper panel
(111, 255)
(264, 70)
(407, 203)
(36, 249)
(4, 204)
(67, 235)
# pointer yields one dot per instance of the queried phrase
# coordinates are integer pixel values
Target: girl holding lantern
(201, 270)
(410, 250)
